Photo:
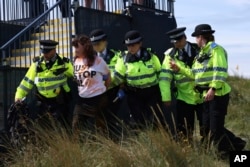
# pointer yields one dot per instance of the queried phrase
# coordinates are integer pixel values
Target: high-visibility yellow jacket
(183, 85)
(136, 72)
(111, 59)
(47, 81)
(210, 68)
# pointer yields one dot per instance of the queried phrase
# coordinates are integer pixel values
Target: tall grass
(149, 148)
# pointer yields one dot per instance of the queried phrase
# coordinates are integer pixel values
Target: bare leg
(101, 5)
(88, 3)
(140, 2)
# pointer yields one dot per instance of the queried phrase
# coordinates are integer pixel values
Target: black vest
(184, 57)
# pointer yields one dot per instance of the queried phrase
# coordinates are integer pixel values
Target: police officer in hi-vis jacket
(114, 93)
(139, 70)
(49, 73)
(188, 102)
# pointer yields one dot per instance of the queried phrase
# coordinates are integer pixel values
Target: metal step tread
(37, 48)
(36, 42)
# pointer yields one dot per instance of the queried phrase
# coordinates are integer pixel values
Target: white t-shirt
(90, 79)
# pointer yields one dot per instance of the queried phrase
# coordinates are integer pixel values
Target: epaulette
(112, 50)
(62, 60)
(171, 52)
(124, 56)
(36, 59)
(168, 51)
(115, 52)
(65, 59)
(151, 51)
(119, 53)
(146, 54)
(194, 45)
(213, 45)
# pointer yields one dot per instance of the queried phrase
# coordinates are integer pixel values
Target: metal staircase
(56, 29)
(16, 55)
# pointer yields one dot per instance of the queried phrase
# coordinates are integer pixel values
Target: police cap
(97, 35)
(47, 45)
(202, 29)
(176, 34)
(132, 37)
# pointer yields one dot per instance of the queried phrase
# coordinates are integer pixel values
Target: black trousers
(112, 117)
(213, 122)
(185, 114)
(44, 110)
(145, 106)
(88, 114)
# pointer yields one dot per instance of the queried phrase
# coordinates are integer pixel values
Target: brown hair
(88, 50)
(208, 37)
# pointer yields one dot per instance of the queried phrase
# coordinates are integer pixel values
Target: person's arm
(107, 80)
(181, 69)
(220, 66)
(157, 64)
(165, 79)
(70, 70)
(119, 72)
(105, 72)
(26, 84)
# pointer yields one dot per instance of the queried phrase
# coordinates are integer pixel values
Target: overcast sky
(231, 21)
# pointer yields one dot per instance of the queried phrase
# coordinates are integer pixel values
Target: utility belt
(201, 88)
(45, 99)
(53, 100)
(135, 89)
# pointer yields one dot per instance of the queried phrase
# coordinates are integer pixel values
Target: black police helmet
(176, 34)
(97, 35)
(47, 45)
(132, 37)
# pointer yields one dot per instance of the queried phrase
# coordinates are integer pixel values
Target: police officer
(115, 95)
(49, 74)
(139, 70)
(188, 101)
(210, 73)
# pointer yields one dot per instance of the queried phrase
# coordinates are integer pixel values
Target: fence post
(4, 68)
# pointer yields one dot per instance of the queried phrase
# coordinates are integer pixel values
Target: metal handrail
(31, 25)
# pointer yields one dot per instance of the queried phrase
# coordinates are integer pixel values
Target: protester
(89, 70)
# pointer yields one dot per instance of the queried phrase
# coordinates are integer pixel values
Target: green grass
(147, 149)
